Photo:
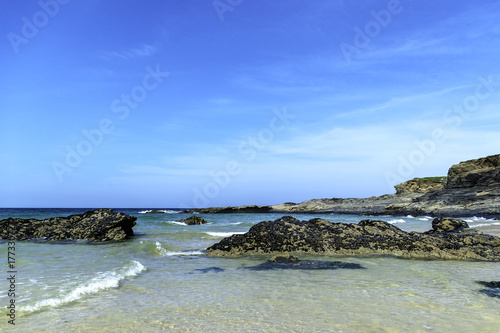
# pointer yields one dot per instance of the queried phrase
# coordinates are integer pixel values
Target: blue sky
(232, 102)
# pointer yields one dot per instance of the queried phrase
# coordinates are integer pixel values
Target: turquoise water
(161, 281)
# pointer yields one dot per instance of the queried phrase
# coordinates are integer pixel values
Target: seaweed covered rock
(449, 239)
(97, 225)
(194, 220)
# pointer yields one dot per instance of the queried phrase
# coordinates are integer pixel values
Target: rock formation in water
(194, 220)
(231, 210)
(449, 239)
(98, 225)
(492, 288)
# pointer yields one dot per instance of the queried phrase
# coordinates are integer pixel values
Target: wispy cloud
(145, 50)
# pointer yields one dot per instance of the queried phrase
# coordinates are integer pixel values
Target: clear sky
(190, 103)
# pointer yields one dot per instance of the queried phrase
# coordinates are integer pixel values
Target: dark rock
(492, 290)
(418, 185)
(284, 258)
(210, 269)
(231, 210)
(155, 212)
(491, 284)
(290, 262)
(482, 172)
(451, 239)
(194, 220)
(448, 224)
(97, 225)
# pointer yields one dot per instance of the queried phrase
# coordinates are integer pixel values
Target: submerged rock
(194, 220)
(291, 262)
(449, 239)
(493, 288)
(97, 225)
(210, 269)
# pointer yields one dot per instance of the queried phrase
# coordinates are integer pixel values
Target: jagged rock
(482, 172)
(155, 212)
(418, 185)
(97, 225)
(194, 220)
(447, 224)
(449, 239)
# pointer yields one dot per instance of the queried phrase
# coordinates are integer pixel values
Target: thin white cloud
(145, 50)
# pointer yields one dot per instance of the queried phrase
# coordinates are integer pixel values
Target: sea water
(162, 281)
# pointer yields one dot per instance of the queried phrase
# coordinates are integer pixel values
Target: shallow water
(162, 281)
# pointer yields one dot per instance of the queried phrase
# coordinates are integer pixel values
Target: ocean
(161, 281)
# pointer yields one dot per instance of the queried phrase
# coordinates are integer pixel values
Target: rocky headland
(97, 225)
(471, 188)
(449, 238)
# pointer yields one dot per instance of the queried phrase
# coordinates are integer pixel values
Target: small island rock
(194, 220)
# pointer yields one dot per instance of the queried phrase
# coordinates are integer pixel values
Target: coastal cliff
(470, 188)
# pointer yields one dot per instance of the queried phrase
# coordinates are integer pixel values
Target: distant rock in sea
(449, 238)
(231, 210)
(98, 225)
(194, 220)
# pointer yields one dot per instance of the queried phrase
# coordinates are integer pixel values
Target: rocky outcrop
(471, 188)
(194, 220)
(420, 185)
(231, 210)
(480, 173)
(98, 225)
(448, 239)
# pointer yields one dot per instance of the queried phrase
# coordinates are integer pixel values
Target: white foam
(166, 211)
(105, 281)
(485, 224)
(224, 234)
(177, 222)
(396, 221)
(161, 250)
(182, 253)
(477, 219)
